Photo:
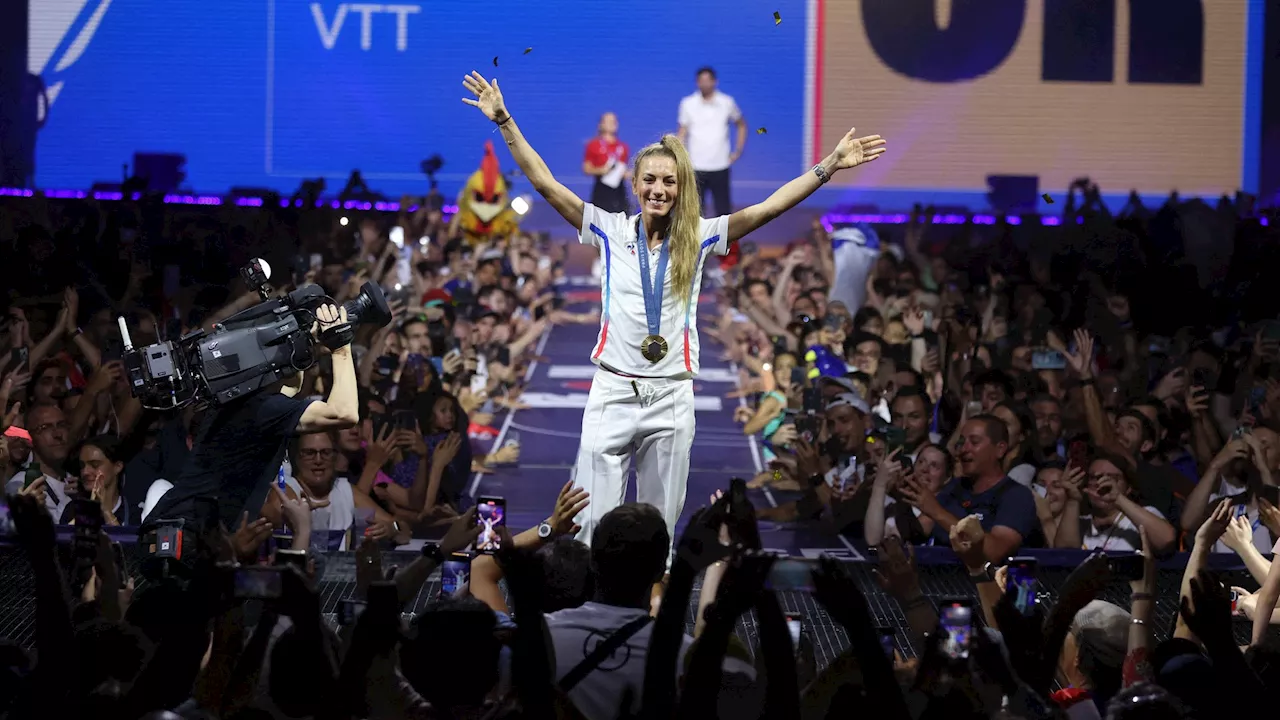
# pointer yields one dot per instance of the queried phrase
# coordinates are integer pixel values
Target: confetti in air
(761, 131)
(495, 61)
(528, 50)
(777, 18)
(1047, 198)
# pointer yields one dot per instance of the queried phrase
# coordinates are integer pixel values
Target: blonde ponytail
(686, 216)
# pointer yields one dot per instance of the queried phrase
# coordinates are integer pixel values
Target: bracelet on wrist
(503, 121)
(1138, 621)
(1087, 382)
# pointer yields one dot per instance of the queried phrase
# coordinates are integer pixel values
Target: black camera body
(248, 351)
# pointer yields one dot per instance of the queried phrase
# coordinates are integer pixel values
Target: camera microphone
(124, 333)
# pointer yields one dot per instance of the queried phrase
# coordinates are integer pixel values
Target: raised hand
(896, 573)
(967, 540)
(487, 97)
(571, 501)
(1215, 526)
(462, 534)
(700, 545)
(446, 450)
(838, 593)
(1073, 482)
(382, 448)
(1208, 611)
(743, 583)
(1082, 359)
(1238, 533)
(854, 151)
(248, 537)
(296, 511)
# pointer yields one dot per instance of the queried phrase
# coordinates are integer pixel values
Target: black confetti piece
(1047, 198)
(495, 61)
(528, 50)
(777, 18)
(761, 131)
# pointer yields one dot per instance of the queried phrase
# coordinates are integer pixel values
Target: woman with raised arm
(641, 398)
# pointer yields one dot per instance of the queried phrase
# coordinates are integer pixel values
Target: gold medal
(654, 348)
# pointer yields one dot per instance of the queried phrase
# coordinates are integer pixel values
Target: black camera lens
(369, 307)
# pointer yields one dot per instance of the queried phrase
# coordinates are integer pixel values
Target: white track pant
(652, 420)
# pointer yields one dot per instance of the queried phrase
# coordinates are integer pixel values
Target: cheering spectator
(982, 488)
(50, 446)
(1116, 517)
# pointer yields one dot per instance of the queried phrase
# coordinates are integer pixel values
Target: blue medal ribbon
(652, 289)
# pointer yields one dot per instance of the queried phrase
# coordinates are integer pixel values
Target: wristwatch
(544, 531)
(432, 552)
(986, 574)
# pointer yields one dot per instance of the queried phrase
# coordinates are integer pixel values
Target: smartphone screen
(957, 622)
(790, 573)
(455, 573)
(797, 376)
(18, 358)
(349, 611)
(1022, 583)
(1048, 360)
(1078, 454)
(491, 514)
(257, 583)
(808, 428)
(405, 420)
(888, 641)
(1127, 567)
(8, 532)
(794, 624)
(387, 364)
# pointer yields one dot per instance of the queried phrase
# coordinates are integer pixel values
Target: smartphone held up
(491, 515)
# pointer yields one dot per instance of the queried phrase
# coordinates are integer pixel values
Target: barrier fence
(941, 577)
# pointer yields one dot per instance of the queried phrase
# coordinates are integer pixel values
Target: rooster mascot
(484, 205)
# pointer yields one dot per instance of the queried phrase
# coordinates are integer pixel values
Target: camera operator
(238, 447)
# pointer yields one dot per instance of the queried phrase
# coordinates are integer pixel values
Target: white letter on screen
(366, 22)
(402, 13)
(328, 35)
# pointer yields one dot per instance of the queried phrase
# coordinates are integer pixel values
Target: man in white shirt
(705, 117)
(50, 445)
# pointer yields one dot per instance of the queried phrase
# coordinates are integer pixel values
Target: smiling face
(656, 186)
(97, 472)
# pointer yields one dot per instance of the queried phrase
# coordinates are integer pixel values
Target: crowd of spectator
(1111, 383)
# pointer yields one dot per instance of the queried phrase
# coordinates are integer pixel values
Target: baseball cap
(483, 311)
(852, 400)
(436, 296)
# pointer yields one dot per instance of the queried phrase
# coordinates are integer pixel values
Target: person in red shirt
(606, 160)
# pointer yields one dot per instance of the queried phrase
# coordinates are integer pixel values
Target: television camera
(246, 352)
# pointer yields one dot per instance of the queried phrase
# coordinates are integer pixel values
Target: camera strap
(602, 652)
(337, 336)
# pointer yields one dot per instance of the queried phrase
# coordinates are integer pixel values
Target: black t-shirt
(164, 460)
(236, 453)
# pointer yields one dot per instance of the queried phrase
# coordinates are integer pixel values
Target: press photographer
(248, 372)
